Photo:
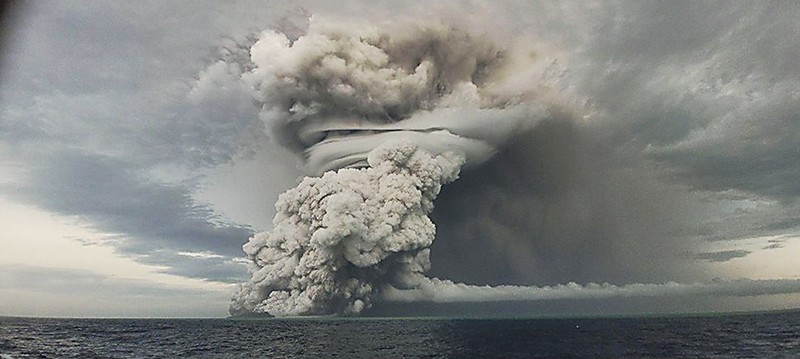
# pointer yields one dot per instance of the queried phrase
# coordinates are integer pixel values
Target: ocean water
(765, 335)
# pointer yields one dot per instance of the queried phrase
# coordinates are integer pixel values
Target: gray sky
(128, 185)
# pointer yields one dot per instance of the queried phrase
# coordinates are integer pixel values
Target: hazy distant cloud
(219, 268)
(103, 110)
(37, 291)
(782, 224)
(709, 94)
(723, 256)
(780, 242)
(774, 244)
(151, 218)
(118, 79)
(56, 280)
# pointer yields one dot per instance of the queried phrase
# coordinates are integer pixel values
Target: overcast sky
(129, 183)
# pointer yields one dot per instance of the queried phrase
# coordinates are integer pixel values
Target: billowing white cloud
(340, 238)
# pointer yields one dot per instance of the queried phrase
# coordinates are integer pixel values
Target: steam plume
(384, 117)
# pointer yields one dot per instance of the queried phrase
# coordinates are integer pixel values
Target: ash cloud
(337, 240)
(552, 190)
(440, 96)
(338, 91)
(560, 205)
(560, 193)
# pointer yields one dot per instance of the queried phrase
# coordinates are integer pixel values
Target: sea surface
(756, 335)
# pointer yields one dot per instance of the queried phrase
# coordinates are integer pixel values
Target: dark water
(771, 335)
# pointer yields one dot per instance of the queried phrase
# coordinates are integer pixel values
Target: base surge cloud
(445, 291)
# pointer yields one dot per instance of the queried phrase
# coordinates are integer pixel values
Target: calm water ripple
(770, 335)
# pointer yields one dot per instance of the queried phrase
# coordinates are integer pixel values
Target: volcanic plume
(384, 117)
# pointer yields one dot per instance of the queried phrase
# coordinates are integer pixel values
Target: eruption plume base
(340, 238)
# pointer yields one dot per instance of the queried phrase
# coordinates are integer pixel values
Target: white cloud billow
(338, 239)
(385, 117)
